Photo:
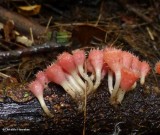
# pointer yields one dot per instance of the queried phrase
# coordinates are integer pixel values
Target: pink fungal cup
(128, 78)
(113, 58)
(41, 76)
(55, 74)
(96, 59)
(89, 66)
(79, 59)
(90, 69)
(127, 58)
(66, 61)
(70, 72)
(144, 70)
(74, 85)
(105, 69)
(157, 67)
(37, 89)
(136, 65)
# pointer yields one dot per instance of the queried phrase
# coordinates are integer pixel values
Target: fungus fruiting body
(41, 76)
(55, 74)
(113, 58)
(79, 59)
(96, 59)
(144, 69)
(110, 81)
(127, 69)
(81, 74)
(157, 67)
(127, 59)
(127, 81)
(66, 61)
(37, 89)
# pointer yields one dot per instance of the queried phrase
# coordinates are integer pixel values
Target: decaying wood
(138, 113)
(22, 24)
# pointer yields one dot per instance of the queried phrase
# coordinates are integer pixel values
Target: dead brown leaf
(29, 10)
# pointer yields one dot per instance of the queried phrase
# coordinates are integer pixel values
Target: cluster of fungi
(80, 74)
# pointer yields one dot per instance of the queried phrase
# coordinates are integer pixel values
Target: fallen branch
(22, 24)
(48, 46)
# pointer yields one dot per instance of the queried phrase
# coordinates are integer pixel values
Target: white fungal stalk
(69, 89)
(44, 106)
(78, 79)
(86, 77)
(117, 83)
(120, 95)
(95, 58)
(110, 81)
(37, 89)
(98, 78)
(74, 85)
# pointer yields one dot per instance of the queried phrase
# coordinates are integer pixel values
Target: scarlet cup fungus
(37, 89)
(79, 59)
(157, 67)
(90, 69)
(66, 61)
(144, 70)
(128, 78)
(41, 76)
(113, 58)
(55, 74)
(74, 85)
(127, 69)
(71, 72)
(136, 64)
(96, 60)
(127, 59)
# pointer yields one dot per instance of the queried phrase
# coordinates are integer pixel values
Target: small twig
(137, 12)
(31, 33)
(150, 33)
(100, 13)
(48, 46)
(4, 75)
(48, 24)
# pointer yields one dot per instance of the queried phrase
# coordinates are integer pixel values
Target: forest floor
(33, 33)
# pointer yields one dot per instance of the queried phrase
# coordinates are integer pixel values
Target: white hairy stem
(98, 78)
(44, 106)
(86, 77)
(78, 79)
(120, 95)
(69, 89)
(75, 86)
(110, 81)
(117, 84)
(92, 76)
(142, 80)
(134, 86)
